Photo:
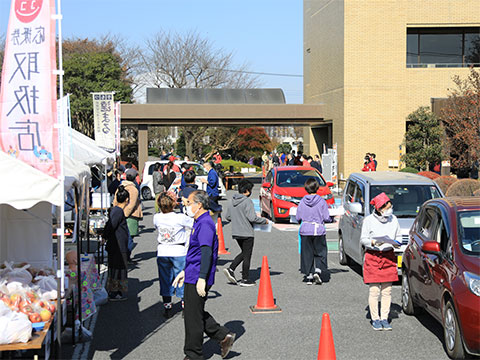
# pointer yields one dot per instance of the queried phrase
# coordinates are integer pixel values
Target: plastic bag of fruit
(21, 274)
(14, 327)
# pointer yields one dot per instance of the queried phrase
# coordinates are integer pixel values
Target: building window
(443, 47)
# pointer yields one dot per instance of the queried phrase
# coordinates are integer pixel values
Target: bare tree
(176, 60)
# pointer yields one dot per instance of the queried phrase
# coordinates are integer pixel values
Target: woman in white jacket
(380, 231)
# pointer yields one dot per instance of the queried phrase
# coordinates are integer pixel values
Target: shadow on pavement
(212, 347)
(121, 327)
(255, 273)
(395, 310)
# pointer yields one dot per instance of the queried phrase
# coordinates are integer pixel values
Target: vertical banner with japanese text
(28, 92)
(118, 127)
(104, 120)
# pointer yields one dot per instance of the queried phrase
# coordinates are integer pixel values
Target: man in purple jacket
(199, 276)
(312, 213)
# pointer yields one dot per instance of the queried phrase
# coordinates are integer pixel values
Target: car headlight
(283, 197)
(473, 282)
(328, 196)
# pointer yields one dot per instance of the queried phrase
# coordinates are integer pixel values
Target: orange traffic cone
(265, 302)
(221, 240)
(326, 348)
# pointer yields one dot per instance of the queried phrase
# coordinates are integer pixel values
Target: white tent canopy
(23, 186)
(84, 149)
(25, 208)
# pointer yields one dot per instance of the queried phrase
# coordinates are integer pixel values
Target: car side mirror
(330, 184)
(431, 247)
(267, 185)
(355, 207)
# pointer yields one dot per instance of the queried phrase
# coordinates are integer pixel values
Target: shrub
(444, 182)
(429, 174)
(409, 170)
(463, 187)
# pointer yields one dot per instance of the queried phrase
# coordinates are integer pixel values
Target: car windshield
(469, 231)
(406, 199)
(297, 178)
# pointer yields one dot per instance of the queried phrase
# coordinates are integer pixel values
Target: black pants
(197, 321)
(246, 245)
(314, 255)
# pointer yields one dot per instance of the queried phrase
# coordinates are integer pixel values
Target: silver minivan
(407, 191)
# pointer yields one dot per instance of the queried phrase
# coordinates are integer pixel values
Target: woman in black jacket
(116, 234)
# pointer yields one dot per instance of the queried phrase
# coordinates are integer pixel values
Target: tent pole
(61, 238)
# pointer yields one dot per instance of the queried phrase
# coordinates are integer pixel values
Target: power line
(260, 73)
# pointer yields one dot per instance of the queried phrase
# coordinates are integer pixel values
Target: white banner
(104, 118)
(28, 93)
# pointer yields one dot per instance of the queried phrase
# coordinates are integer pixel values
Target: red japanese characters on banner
(28, 93)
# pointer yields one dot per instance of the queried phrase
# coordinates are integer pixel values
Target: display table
(39, 341)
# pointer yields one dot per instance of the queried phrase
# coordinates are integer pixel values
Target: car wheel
(451, 332)
(342, 257)
(146, 193)
(272, 217)
(407, 301)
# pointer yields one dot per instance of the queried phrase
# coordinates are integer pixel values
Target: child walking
(241, 213)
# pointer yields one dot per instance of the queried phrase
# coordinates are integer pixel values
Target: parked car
(146, 187)
(441, 270)
(407, 192)
(283, 189)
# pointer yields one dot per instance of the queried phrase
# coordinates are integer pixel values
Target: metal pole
(61, 231)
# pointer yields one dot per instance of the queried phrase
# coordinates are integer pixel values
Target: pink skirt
(380, 267)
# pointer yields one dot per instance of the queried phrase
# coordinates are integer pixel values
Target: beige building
(372, 62)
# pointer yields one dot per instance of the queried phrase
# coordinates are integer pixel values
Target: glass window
(412, 49)
(406, 199)
(269, 177)
(472, 48)
(359, 194)
(350, 192)
(297, 178)
(151, 169)
(441, 48)
(469, 232)
(444, 47)
(427, 223)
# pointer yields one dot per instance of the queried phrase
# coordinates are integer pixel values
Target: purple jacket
(313, 213)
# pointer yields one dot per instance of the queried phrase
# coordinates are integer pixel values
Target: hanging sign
(28, 92)
(104, 119)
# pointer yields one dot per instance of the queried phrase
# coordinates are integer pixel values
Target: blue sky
(266, 34)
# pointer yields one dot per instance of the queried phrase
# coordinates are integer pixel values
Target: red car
(441, 270)
(283, 189)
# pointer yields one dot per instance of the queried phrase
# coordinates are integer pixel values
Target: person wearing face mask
(380, 262)
(199, 276)
(241, 213)
(173, 233)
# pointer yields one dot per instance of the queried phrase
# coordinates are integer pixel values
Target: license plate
(399, 261)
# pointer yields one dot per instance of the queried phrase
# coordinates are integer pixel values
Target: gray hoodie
(242, 215)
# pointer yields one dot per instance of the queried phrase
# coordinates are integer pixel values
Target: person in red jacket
(217, 158)
(368, 165)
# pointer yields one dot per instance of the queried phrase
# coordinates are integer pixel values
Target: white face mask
(189, 211)
(388, 212)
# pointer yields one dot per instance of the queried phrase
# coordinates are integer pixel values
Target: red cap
(379, 200)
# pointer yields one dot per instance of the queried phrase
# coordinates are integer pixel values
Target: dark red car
(441, 270)
(283, 189)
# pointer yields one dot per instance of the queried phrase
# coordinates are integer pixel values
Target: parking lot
(136, 329)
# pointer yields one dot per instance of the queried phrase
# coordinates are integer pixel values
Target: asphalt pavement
(136, 328)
